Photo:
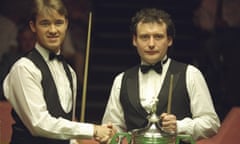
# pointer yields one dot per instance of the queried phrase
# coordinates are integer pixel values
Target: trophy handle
(184, 137)
(118, 138)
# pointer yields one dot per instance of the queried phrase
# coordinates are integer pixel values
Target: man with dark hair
(136, 90)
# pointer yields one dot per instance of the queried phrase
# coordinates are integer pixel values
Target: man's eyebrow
(44, 20)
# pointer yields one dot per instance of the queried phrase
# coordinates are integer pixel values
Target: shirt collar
(43, 51)
(145, 63)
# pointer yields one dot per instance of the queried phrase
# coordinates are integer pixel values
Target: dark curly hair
(149, 15)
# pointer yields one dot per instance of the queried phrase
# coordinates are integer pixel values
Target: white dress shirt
(204, 121)
(23, 89)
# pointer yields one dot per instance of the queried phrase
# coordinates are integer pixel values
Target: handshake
(104, 133)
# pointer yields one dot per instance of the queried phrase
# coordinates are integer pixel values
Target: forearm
(202, 127)
(63, 129)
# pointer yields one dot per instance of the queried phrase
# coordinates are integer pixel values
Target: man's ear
(170, 41)
(32, 26)
(134, 40)
(67, 24)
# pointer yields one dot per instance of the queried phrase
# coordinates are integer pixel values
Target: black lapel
(164, 93)
(133, 90)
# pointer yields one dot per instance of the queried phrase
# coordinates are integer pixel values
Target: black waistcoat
(21, 135)
(135, 115)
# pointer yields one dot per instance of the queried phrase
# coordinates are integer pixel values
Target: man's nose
(151, 42)
(52, 29)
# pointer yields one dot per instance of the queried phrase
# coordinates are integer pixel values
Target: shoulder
(23, 71)
(118, 77)
(194, 74)
(127, 71)
(193, 69)
(24, 64)
(117, 81)
(190, 68)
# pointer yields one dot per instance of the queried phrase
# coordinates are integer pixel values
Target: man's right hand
(102, 133)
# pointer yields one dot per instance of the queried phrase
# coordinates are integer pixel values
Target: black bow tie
(157, 67)
(54, 56)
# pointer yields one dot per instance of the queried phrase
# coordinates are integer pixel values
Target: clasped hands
(104, 133)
